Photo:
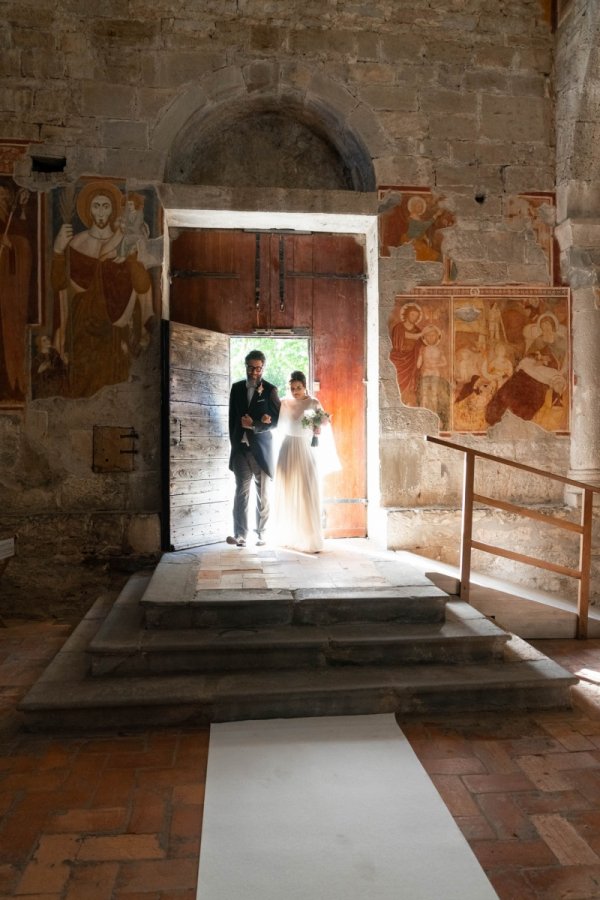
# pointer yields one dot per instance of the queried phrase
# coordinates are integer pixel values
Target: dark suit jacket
(259, 438)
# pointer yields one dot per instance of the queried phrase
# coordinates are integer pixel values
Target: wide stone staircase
(165, 655)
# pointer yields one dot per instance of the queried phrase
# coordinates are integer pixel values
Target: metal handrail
(584, 530)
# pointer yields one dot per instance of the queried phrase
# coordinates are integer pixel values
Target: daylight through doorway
(284, 355)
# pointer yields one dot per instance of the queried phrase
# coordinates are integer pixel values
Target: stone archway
(259, 127)
(263, 148)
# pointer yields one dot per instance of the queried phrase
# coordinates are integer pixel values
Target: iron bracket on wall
(257, 272)
(113, 448)
(281, 273)
(330, 275)
(193, 273)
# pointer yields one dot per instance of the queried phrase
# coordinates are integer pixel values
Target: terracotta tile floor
(119, 816)
(93, 818)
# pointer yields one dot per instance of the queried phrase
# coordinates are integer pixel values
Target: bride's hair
(298, 376)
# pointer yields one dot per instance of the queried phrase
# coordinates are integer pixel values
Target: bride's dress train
(297, 506)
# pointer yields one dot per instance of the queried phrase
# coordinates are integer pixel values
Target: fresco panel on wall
(104, 293)
(19, 287)
(416, 216)
(471, 354)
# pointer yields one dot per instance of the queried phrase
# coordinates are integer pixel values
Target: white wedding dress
(297, 507)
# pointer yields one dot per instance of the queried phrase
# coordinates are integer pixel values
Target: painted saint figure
(496, 329)
(433, 388)
(539, 379)
(499, 368)
(136, 233)
(406, 348)
(15, 279)
(470, 404)
(419, 228)
(105, 299)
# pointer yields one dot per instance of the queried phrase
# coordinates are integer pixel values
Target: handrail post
(585, 558)
(467, 525)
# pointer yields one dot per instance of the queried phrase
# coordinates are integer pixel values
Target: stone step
(183, 700)
(67, 697)
(324, 606)
(289, 648)
(123, 646)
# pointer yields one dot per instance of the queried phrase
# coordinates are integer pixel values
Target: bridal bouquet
(314, 418)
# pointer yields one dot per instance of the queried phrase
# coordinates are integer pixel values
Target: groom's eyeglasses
(254, 368)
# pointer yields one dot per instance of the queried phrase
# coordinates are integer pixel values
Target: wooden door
(324, 274)
(214, 280)
(197, 429)
(242, 283)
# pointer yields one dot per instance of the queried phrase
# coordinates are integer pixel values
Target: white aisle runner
(335, 808)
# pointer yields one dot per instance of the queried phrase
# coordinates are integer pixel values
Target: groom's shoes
(237, 542)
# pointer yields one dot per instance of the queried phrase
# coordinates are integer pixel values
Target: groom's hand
(247, 421)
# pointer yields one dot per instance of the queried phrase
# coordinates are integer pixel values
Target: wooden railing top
(515, 465)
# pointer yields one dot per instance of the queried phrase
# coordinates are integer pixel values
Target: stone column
(579, 241)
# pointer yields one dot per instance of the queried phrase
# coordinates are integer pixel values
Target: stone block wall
(456, 97)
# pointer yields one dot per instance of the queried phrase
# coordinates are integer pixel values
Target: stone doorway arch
(260, 127)
(263, 148)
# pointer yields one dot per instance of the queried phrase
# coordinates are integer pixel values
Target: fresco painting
(539, 210)
(80, 328)
(105, 295)
(20, 277)
(418, 217)
(472, 354)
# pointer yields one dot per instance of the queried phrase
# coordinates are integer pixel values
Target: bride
(297, 490)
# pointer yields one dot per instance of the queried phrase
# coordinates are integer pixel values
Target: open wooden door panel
(199, 481)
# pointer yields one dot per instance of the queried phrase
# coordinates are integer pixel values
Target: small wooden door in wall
(237, 282)
(197, 429)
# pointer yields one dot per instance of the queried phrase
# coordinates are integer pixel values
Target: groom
(253, 412)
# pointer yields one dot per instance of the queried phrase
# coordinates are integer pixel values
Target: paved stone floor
(117, 817)
(343, 563)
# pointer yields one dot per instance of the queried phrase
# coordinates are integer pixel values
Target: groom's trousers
(247, 470)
